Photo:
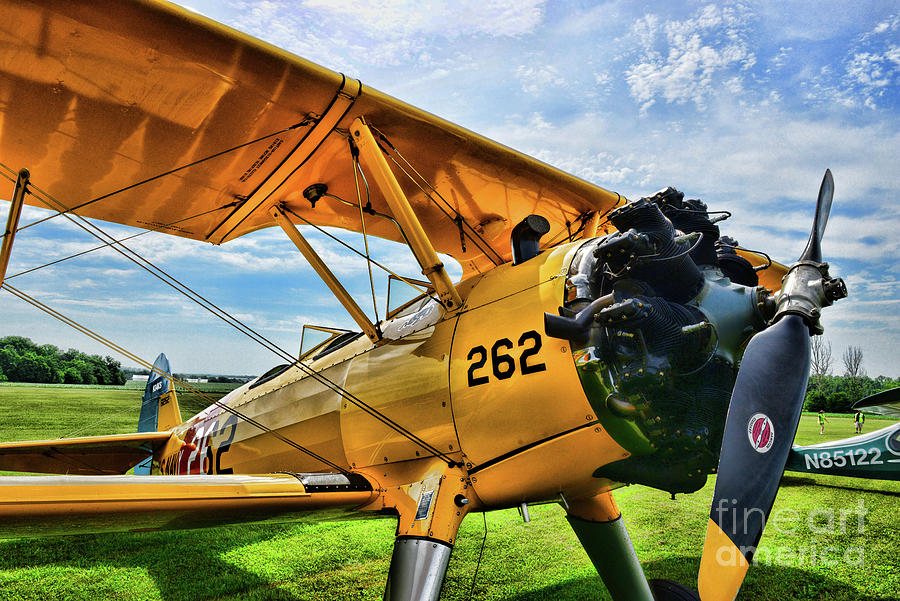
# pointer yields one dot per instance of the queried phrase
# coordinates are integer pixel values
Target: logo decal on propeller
(761, 432)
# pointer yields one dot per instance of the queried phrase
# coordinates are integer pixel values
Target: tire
(667, 590)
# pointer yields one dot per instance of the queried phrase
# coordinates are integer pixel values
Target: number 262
(503, 365)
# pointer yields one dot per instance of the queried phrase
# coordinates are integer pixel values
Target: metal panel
(563, 464)
(406, 381)
(497, 384)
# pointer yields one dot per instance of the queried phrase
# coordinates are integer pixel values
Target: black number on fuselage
(473, 379)
(232, 422)
(503, 365)
(535, 348)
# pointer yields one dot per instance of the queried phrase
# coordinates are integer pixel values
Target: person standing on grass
(858, 420)
(822, 421)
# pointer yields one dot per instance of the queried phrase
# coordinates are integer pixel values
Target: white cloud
(681, 61)
(872, 70)
(889, 25)
(404, 19)
(536, 79)
(868, 73)
(339, 33)
(781, 58)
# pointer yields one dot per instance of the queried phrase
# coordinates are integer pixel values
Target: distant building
(139, 378)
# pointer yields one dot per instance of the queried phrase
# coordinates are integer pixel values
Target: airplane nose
(656, 329)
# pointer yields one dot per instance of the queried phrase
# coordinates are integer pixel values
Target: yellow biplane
(591, 342)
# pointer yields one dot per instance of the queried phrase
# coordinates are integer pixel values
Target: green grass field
(803, 555)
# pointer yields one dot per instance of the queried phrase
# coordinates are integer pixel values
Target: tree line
(21, 360)
(838, 394)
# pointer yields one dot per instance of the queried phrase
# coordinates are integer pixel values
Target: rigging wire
(459, 218)
(354, 156)
(178, 286)
(602, 220)
(108, 244)
(111, 242)
(449, 206)
(351, 249)
(446, 213)
(84, 330)
(480, 555)
(65, 210)
(72, 433)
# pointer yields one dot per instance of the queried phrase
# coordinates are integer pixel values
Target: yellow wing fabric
(100, 95)
(56, 505)
(114, 454)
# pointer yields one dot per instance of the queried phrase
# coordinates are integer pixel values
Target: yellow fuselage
(484, 385)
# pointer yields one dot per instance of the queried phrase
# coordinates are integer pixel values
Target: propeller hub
(835, 289)
(806, 288)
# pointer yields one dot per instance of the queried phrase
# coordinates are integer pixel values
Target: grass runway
(809, 554)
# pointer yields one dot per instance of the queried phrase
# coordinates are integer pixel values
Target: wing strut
(327, 276)
(12, 222)
(341, 103)
(421, 246)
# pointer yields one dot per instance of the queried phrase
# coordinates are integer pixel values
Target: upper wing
(113, 454)
(50, 505)
(97, 96)
(886, 402)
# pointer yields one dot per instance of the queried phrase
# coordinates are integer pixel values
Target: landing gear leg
(417, 569)
(430, 511)
(598, 524)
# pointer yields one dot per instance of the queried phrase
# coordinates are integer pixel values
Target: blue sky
(740, 104)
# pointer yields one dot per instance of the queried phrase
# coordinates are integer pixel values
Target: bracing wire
(487, 248)
(119, 240)
(237, 324)
(71, 433)
(66, 210)
(362, 224)
(253, 335)
(70, 322)
(324, 232)
(602, 220)
(480, 555)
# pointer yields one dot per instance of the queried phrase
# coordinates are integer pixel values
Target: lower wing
(92, 455)
(52, 505)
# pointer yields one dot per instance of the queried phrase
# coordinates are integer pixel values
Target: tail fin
(159, 409)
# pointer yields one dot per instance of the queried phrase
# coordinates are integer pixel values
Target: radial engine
(658, 314)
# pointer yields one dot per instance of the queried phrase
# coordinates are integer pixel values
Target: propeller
(813, 250)
(763, 415)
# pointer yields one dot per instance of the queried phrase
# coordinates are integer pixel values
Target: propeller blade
(813, 250)
(759, 430)
(763, 415)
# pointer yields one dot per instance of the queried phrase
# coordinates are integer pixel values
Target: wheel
(667, 590)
